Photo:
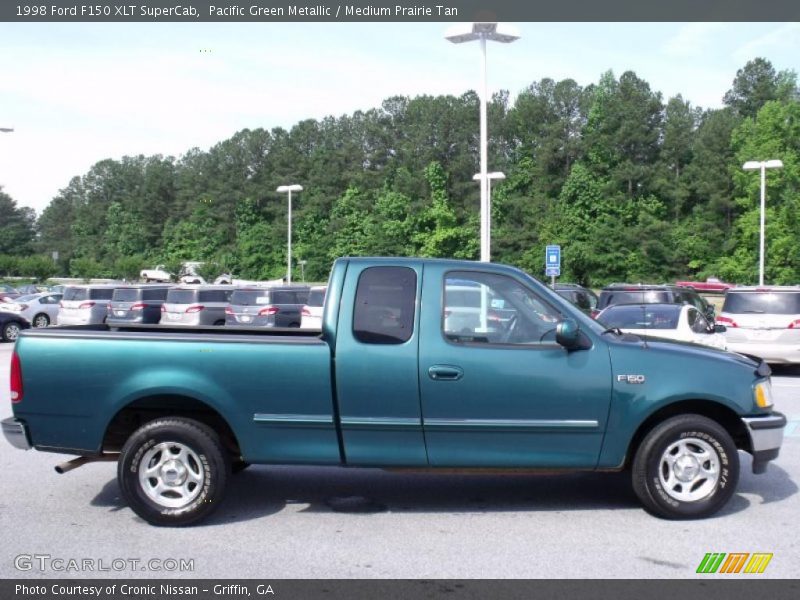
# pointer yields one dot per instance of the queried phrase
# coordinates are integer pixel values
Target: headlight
(763, 394)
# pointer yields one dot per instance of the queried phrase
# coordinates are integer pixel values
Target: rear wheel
(686, 468)
(40, 320)
(173, 471)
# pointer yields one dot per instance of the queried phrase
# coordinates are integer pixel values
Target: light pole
(763, 165)
(496, 32)
(489, 177)
(288, 189)
(302, 264)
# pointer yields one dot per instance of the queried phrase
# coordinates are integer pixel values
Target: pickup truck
(387, 382)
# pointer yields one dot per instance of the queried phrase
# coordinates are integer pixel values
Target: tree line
(633, 188)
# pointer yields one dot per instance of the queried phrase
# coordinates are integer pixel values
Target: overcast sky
(79, 93)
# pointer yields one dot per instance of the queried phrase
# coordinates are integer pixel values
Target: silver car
(266, 307)
(85, 304)
(196, 305)
(40, 310)
(764, 322)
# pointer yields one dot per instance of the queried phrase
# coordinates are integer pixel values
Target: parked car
(582, 297)
(137, 304)
(40, 310)
(643, 293)
(710, 285)
(312, 311)
(266, 306)
(85, 304)
(7, 292)
(763, 322)
(27, 290)
(681, 322)
(196, 305)
(10, 326)
(158, 274)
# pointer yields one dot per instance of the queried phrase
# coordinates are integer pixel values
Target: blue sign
(552, 261)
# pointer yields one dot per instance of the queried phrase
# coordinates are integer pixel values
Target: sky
(78, 93)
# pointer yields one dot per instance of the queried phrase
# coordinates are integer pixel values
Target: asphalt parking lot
(303, 522)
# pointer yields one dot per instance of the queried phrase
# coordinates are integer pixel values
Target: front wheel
(173, 471)
(10, 331)
(686, 468)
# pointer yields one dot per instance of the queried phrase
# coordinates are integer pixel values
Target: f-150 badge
(630, 378)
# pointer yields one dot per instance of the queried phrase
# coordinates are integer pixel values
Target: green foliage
(41, 268)
(86, 268)
(16, 226)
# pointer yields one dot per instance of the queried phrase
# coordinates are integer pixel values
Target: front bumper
(766, 437)
(16, 433)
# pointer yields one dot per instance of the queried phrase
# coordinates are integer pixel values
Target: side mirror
(719, 328)
(568, 334)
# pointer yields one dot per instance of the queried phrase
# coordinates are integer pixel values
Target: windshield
(775, 303)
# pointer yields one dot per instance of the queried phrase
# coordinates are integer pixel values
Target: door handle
(445, 373)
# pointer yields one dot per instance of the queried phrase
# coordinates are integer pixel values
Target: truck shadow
(261, 491)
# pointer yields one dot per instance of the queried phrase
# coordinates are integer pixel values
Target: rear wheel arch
(137, 413)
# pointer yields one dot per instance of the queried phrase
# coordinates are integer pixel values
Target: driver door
(496, 389)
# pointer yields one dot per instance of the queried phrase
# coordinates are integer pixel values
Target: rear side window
(384, 310)
(101, 293)
(637, 297)
(126, 295)
(774, 303)
(642, 317)
(285, 298)
(181, 296)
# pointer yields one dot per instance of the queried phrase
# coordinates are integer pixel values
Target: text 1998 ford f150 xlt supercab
(420, 363)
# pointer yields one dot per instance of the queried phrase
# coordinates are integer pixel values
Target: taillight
(229, 311)
(195, 308)
(594, 313)
(268, 310)
(728, 322)
(305, 312)
(163, 308)
(795, 324)
(16, 379)
(86, 305)
(139, 306)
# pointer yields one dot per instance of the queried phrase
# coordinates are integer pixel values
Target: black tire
(11, 331)
(40, 320)
(685, 491)
(204, 464)
(218, 323)
(238, 466)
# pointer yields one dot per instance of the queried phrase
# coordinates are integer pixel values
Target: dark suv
(583, 298)
(137, 304)
(643, 293)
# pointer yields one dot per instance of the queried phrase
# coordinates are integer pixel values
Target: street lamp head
(751, 165)
(492, 175)
(469, 32)
(773, 164)
(289, 188)
(6, 129)
(754, 165)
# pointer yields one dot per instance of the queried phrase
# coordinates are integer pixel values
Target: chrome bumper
(16, 433)
(766, 437)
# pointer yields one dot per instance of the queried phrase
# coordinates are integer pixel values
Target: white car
(312, 311)
(40, 310)
(682, 322)
(763, 322)
(159, 274)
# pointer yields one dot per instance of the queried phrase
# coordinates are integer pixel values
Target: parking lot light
(763, 165)
(288, 189)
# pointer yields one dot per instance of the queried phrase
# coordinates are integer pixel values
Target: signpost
(552, 263)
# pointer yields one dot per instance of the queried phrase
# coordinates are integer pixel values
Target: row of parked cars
(175, 305)
(761, 321)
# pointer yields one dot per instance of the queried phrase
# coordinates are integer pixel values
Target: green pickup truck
(428, 364)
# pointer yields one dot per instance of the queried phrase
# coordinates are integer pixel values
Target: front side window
(385, 303)
(495, 309)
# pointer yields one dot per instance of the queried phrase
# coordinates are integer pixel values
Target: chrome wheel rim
(171, 474)
(689, 470)
(40, 321)
(12, 332)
